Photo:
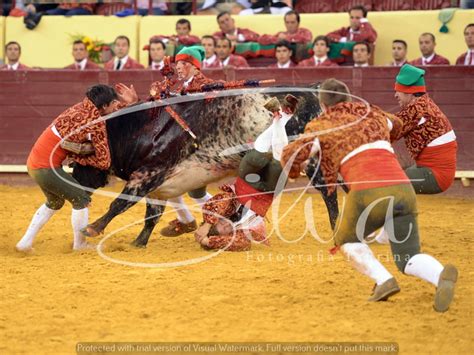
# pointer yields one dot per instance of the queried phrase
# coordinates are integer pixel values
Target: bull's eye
(252, 178)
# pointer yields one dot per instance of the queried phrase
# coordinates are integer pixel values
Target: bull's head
(89, 176)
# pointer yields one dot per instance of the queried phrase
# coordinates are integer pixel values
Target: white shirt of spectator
(284, 66)
(398, 64)
(209, 61)
(469, 60)
(352, 32)
(240, 36)
(319, 61)
(157, 66)
(361, 65)
(82, 64)
(225, 62)
(123, 61)
(428, 60)
(13, 66)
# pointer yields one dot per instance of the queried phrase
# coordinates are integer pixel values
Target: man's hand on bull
(78, 148)
(201, 234)
(127, 95)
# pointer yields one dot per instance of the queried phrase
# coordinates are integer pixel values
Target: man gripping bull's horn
(86, 145)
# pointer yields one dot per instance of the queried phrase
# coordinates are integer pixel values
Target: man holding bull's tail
(85, 145)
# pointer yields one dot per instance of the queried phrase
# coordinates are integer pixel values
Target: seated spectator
(210, 60)
(157, 50)
(226, 58)
(294, 33)
(158, 7)
(399, 53)
(360, 30)
(274, 7)
(73, 8)
(468, 57)
(213, 7)
(183, 34)
(361, 54)
(320, 57)
(81, 57)
(13, 53)
(283, 55)
(427, 48)
(229, 31)
(122, 61)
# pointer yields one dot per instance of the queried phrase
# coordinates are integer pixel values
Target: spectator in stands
(468, 57)
(13, 53)
(226, 58)
(274, 7)
(283, 55)
(361, 54)
(210, 60)
(427, 48)
(157, 50)
(320, 57)
(212, 7)
(360, 30)
(294, 33)
(122, 61)
(81, 57)
(183, 34)
(158, 7)
(73, 8)
(229, 31)
(399, 53)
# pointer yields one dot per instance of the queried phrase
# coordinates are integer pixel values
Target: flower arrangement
(99, 51)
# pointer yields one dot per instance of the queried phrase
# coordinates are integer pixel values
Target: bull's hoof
(138, 244)
(89, 231)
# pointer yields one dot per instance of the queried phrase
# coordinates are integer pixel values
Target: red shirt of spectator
(360, 30)
(293, 33)
(427, 48)
(228, 30)
(122, 61)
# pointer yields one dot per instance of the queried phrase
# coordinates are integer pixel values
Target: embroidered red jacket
(366, 33)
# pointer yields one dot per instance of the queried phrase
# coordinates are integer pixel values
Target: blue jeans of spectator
(68, 12)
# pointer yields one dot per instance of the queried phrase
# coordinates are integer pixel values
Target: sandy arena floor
(286, 292)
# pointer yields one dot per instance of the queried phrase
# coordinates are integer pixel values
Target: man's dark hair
(283, 43)
(12, 42)
(123, 37)
(79, 42)
(209, 37)
(363, 44)
(361, 8)
(101, 95)
(322, 38)
(227, 40)
(400, 41)
(333, 91)
(157, 40)
(222, 14)
(183, 21)
(469, 25)
(293, 12)
(429, 34)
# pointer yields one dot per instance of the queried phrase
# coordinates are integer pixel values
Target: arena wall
(2, 36)
(30, 100)
(49, 45)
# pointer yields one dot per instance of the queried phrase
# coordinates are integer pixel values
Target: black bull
(159, 160)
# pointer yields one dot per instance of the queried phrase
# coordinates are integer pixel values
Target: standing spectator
(399, 53)
(122, 61)
(224, 49)
(427, 48)
(468, 57)
(229, 31)
(361, 54)
(73, 8)
(274, 7)
(360, 30)
(283, 55)
(13, 53)
(81, 57)
(320, 57)
(294, 33)
(210, 60)
(157, 50)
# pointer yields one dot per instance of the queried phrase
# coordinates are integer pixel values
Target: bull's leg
(141, 184)
(152, 216)
(317, 179)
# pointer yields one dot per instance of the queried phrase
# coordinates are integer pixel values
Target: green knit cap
(194, 55)
(410, 80)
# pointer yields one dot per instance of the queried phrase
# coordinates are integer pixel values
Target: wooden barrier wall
(30, 100)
